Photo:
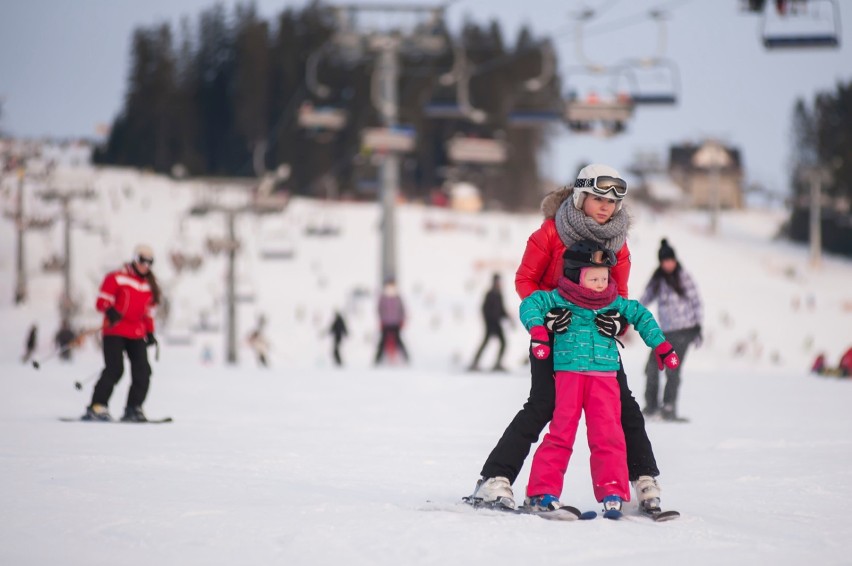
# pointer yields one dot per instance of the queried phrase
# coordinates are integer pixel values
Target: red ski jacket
(541, 266)
(132, 297)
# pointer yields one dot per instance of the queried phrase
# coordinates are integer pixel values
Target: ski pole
(78, 385)
(65, 348)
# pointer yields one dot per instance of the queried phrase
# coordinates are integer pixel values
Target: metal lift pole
(388, 70)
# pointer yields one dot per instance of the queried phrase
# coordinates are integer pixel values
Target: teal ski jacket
(582, 347)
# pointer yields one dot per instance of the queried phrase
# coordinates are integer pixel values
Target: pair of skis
(570, 513)
(84, 420)
(564, 513)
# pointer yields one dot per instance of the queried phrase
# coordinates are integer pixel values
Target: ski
(84, 420)
(658, 515)
(564, 513)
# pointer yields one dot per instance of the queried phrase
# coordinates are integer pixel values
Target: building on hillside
(699, 169)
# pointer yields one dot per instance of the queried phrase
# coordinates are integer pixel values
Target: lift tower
(381, 33)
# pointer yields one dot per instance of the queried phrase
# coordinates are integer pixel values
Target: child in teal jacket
(585, 364)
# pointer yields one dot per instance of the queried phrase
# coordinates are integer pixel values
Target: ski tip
(588, 515)
(613, 514)
(663, 516)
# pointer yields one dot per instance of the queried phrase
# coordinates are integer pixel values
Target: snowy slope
(304, 463)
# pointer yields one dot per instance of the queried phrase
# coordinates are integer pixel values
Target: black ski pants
(492, 330)
(390, 333)
(680, 341)
(512, 449)
(140, 370)
(338, 360)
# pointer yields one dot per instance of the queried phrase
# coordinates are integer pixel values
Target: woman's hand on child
(611, 323)
(557, 320)
(539, 342)
(666, 356)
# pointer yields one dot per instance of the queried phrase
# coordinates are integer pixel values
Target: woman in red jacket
(591, 210)
(126, 298)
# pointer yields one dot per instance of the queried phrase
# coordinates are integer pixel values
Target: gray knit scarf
(573, 226)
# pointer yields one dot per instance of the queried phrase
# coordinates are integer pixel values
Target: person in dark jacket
(493, 313)
(127, 297)
(30, 346)
(64, 340)
(338, 331)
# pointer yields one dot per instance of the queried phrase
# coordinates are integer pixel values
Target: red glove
(666, 356)
(540, 342)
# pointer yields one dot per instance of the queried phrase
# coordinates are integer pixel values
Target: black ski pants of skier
(390, 333)
(336, 351)
(492, 330)
(680, 341)
(512, 449)
(140, 370)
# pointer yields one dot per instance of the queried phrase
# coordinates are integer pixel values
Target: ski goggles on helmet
(597, 258)
(603, 185)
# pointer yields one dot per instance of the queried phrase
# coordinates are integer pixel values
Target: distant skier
(391, 319)
(64, 340)
(818, 367)
(845, 365)
(338, 331)
(127, 297)
(680, 314)
(493, 313)
(259, 343)
(30, 344)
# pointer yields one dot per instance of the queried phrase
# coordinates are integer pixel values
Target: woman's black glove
(112, 315)
(610, 323)
(557, 320)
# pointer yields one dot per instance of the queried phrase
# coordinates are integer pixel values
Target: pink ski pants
(599, 398)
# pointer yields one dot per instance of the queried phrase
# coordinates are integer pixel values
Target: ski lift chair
(662, 91)
(321, 117)
(452, 97)
(793, 33)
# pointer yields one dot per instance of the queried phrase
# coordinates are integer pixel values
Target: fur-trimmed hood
(552, 201)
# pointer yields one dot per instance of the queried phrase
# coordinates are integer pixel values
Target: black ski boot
(134, 415)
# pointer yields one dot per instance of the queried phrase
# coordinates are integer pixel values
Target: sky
(306, 464)
(63, 67)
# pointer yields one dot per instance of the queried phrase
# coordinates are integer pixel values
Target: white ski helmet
(602, 180)
(143, 251)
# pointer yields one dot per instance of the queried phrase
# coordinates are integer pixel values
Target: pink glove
(666, 356)
(540, 342)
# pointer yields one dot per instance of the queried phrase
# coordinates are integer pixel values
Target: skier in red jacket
(845, 365)
(590, 210)
(126, 298)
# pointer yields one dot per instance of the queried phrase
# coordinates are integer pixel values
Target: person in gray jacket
(680, 316)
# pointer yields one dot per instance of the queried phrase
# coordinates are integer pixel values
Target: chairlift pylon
(792, 25)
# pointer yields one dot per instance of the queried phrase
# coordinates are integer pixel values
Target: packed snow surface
(306, 463)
